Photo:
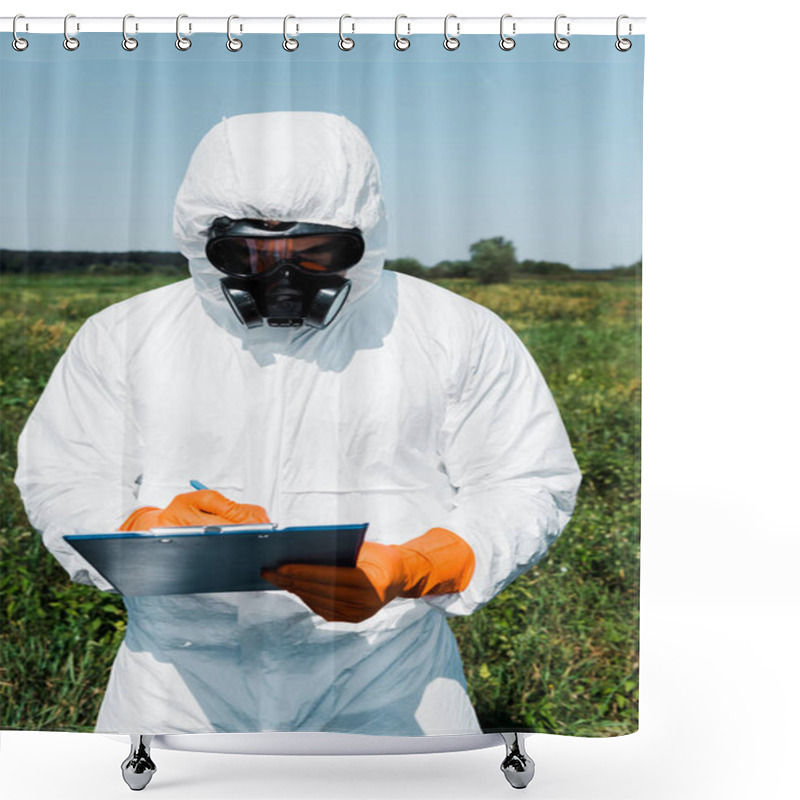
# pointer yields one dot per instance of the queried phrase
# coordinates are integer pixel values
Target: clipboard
(226, 558)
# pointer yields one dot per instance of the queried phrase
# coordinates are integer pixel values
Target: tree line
(494, 260)
(139, 262)
(491, 261)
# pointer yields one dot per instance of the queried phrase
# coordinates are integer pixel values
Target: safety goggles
(255, 247)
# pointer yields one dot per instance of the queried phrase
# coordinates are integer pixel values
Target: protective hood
(291, 166)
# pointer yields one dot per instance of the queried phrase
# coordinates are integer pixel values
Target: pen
(200, 487)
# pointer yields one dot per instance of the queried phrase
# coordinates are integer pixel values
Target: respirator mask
(283, 272)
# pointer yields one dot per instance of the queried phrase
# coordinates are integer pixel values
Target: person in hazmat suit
(302, 383)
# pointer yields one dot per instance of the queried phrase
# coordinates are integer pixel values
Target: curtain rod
(407, 25)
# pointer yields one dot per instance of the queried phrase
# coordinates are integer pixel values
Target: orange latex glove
(205, 507)
(438, 562)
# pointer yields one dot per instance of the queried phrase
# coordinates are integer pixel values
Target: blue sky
(541, 147)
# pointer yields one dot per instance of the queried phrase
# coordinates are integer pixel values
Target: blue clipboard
(228, 558)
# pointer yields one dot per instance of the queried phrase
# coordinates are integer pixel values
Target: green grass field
(556, 652)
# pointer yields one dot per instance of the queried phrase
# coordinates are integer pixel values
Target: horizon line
(396, 258)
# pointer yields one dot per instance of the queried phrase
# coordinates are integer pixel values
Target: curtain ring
(400, 42)
(344, 42)
(561, 43)
(181, 42)
(623, 45)
(289, 44)
(70, 42)
(233, 44)
(451, 42)
(18, 43)
(507, 42)
(128, 42)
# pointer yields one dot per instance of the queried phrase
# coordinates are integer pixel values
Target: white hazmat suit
(415, 408)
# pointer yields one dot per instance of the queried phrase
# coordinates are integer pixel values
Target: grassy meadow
(556, 652)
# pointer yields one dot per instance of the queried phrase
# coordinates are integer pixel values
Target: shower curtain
(466, 382)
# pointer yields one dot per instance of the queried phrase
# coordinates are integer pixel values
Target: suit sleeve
(509, 460)
(77, 464)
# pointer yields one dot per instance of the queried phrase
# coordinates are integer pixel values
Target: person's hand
(205, 507)
(438, 562)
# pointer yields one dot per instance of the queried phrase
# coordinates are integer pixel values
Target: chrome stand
(138, 768)
(517, 766)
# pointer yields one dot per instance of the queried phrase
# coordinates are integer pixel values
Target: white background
(720, 696)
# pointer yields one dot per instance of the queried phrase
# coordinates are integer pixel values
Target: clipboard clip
(193, 530)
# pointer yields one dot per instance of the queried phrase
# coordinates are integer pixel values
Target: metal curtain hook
(181, 42)
(289, 44)
(70, 42)
(507, 42)
(344, 42)
(233, 44)
(400, 42)
(561, 43)
(451, 42)
(623, 45)
(128, 42)
(18, 43)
